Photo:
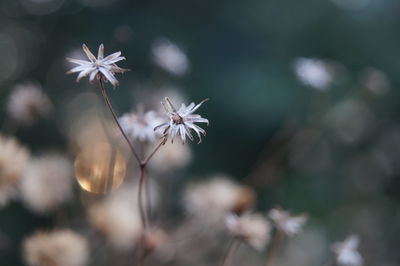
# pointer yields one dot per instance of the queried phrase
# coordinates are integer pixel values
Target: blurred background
(304, 104)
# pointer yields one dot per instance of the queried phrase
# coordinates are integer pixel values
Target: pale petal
(160, 127)
(79, 69)
(78, 61)
(93, 75)
(198, 130)
(83, 74)
(100, 54)
(116, 69)
(168, 106)
(112, 56)
(187, 130)
(109, 76)
(88, 53)
(172, 132)
(182, 133)
(183, 111)
(112, 61)
(196, 120)
(197, 106)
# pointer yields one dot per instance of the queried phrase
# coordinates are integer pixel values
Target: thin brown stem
(144, 212)
(142, 209)
(232, 248)
(145, 161)
(109, 105)
(276, 243)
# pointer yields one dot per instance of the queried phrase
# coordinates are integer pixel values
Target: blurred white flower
(47, 182)
(119, 222)
(313, 72)
(350, 119)
(140, 125)
(251, 228)
(213, 199)
(27, 102)
(347, 253)
(13, 159)
(56, 248)
(182, 121)
(101, 66)
(375, 80)
(170, 157)
(170, 57)
(290, 225)
(118, 218)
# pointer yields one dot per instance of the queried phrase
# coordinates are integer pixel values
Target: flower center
(177, 118)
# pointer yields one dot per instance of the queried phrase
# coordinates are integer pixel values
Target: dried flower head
(182, 121)
(100, 67)
(47, 182)
(290, 225)
(347, 253)
(170, 57)
(215, 198)
(57, 248)
(140, 125)
(13, 159)
(251, 228)
(27, 102)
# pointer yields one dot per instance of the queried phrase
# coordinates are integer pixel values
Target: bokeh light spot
(100, 168)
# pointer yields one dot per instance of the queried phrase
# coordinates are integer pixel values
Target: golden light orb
(100, 168)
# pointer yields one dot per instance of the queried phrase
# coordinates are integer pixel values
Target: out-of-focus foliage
(304, 102)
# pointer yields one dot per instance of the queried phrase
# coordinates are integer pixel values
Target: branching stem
(143, 204)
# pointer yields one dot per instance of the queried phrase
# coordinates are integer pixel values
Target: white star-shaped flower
(100, 67)
(182, 121)
(346, 252)
(287, 223)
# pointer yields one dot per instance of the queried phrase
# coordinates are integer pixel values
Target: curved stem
(145, 161)
(109, 105)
